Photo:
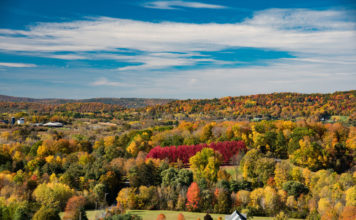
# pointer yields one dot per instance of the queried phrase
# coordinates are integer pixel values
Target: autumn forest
(279, 155)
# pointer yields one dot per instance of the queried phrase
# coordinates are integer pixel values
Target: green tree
(146, 174)
(223, 198)
(294, 188)
(205, 164)
(22, 212)
(256, 168)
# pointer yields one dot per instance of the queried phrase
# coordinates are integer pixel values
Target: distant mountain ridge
(124, 102)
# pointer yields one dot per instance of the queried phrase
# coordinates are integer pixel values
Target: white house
(21, 121)
(235, 216)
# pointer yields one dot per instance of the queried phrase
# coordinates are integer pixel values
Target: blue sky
(175, 49)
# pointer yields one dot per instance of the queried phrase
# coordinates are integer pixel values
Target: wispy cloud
(179, 4)
(314, 35)
(105, 82)
(266, 29)
(19, 65)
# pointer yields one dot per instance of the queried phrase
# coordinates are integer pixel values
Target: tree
(264, 169)
(256, 197)
(271, 200)
(23, 212)
(139, 143)
(45, 213)
(147, 198)
(169, 176)
(184, 178)
(4, 212)
(351, 196)
(193, 197)
(242, 198)
(75, 209)
(53, 194)
(310, 155)
(349, 213)
(99, 192)
(205, 164)
(294, 188)
(281, 173)
(174, 178)
(126, 199)
(223, 198)
(146, 174)
(256, 168)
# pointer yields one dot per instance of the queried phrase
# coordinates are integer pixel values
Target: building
(236, 216)
(21, 121)
(53, 124)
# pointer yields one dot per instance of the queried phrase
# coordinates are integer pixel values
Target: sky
(175, 49)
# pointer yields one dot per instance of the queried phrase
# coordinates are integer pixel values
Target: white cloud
(17, 65)
(317, 36)
(163, 60)
(271, 29)
(106, 82)
(178, 4)
(67, 56)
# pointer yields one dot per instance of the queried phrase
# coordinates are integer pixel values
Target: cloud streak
(105, 82)
(170, 5)
(17, 65)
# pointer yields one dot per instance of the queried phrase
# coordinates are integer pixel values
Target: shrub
(161, 217)
(180, 216)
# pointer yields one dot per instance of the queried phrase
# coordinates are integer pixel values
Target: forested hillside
(275, 105)
(171, 157)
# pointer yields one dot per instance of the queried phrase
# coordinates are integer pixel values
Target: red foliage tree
(193, 197)
(227, 149)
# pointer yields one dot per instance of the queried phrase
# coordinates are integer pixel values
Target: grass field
(170, 215)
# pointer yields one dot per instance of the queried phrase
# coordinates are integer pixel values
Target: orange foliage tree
(193, 197)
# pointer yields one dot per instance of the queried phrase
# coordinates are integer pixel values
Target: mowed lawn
(170, 215)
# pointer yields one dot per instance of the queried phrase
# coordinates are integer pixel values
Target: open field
(170, 215)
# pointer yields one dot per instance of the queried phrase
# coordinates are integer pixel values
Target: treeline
(36, 108)
(275, 106)
(338, 106)
(125, 102)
